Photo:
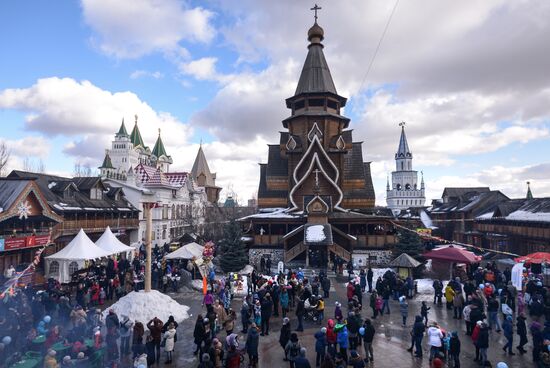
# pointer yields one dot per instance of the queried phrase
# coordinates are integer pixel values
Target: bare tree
(82, 170)
(4, 157)
(32, 166)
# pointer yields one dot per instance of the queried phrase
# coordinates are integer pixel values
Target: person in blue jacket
(320, 345)
(508, 328)
(342, 341)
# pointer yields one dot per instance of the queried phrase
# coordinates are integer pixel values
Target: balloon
(6, 340)
(47, 319)
(362, 331)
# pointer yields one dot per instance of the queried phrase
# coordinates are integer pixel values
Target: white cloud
(202, 69)
(89, 115)
(34, 146)
(146, 74)
(131, 29)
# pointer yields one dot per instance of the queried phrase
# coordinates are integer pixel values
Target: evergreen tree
(409, 242)
(232, 252)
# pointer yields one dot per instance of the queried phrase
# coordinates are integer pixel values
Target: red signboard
(15, 243)
(26, 242)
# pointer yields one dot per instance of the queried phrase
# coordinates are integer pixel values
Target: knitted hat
(52, 352)
(324, 330)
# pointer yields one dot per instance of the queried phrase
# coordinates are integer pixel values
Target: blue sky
(475, 101)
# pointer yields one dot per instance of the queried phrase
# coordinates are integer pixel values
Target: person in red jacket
(331, 338)
(475, 335)
(350, 291)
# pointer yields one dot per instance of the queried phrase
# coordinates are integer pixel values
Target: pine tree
(232, 252)
(410, 243)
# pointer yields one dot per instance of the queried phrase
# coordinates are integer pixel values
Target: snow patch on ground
(143, 307)
(315, 233)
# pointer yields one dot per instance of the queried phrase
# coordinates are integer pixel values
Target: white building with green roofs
(145, 176)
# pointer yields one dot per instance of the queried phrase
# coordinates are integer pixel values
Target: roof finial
(315, 8)
(159, 132)
(200, 144)
(136, 117)
(402, 124)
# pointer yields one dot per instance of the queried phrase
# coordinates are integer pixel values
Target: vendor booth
(73, 257)
(110, 243)
(188, 251)
(405, 265)
(451, 255)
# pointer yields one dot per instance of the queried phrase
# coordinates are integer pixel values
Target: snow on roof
(487, 215)
(271, 213)
(522, 215)
(315, 233)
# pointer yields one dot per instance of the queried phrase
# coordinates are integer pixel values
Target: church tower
(316, 157)
(122, 153)
(204, 178)
(404, 191)
(159, 156)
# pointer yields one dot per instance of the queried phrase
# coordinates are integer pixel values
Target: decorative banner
(422, 231)
(204, 285)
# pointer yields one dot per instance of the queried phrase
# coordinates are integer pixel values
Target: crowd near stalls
(484, 297)
(63, 322)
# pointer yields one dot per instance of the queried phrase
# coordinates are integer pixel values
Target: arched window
(54, 268)
(73, 267)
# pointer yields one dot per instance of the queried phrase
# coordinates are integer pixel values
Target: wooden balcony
(376, 241)
(268, 239)
(68, 227)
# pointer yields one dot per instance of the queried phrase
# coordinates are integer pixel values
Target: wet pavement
(390, 343)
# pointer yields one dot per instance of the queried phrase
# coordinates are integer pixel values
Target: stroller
(310, 306)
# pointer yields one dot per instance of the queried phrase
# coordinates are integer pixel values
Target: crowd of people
(484, 298)
(63, 325)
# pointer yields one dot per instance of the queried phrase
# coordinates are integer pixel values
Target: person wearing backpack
(368, 336)
(292, 349)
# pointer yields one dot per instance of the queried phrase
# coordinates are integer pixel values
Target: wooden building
(83, 202)
(315, 196)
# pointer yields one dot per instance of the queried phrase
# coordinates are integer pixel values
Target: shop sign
(24, 242)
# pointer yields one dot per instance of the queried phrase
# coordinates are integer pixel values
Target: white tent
(64, 263)
(109, 243)
(188, 251)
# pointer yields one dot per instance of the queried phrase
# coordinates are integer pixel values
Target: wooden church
(315, 196)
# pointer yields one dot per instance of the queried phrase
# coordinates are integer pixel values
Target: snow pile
(315, 233)
(143, 307)
(425, 286)
(529, 216)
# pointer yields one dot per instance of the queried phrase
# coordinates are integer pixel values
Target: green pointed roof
(529, 193)
(135, 136)
(159, 149)
(107, 164)
(122, 131)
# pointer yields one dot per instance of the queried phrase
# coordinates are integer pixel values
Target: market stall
(73, 257)
(110, 243)
(405, 265)
(451, 255)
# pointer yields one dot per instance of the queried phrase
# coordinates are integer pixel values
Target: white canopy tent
(188, 251)
(64, 263)
(109, 243)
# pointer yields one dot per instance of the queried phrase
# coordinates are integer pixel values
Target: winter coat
(292, 350)
(458, 300)
(326, 284)
(283, 299)
(50, 362)
(483, 338)
(521, 327)
(369, 333)
(454, 346)
(418, 327)
(169, 336)
(252, 342)
(156, 329)
(320, 342)
(466, 313)
(285, 335)
(342, 338)
(350, 290)
(449, 293)
(331, 335)
(434, 336)
(404, 308)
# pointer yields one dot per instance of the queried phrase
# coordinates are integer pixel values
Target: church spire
(529, 193)
(422, 186)
(315, 76)
(387, 182)
(158, 149)
(122, 131)
(135, 136)
(403, 150)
